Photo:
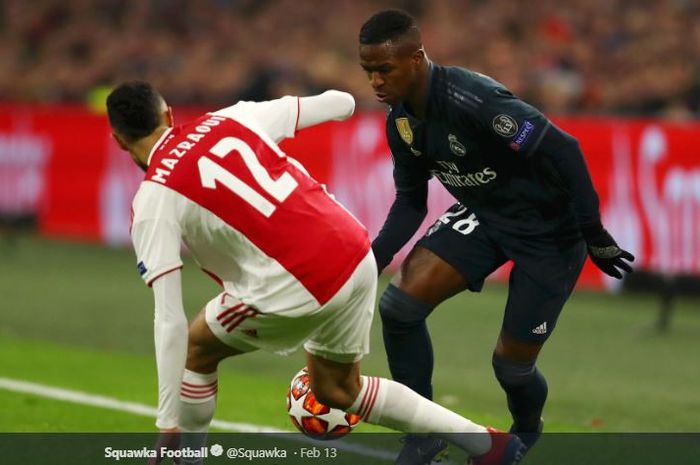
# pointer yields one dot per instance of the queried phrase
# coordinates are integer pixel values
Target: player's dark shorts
(544, 271)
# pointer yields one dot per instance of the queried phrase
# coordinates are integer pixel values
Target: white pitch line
(84, 398)
(93, 400)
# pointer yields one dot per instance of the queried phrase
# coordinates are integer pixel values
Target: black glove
(604, 251)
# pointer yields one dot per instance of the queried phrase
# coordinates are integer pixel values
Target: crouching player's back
(252, 217)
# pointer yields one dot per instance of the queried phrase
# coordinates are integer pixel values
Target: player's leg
(200, 380)
(205, 349)
(454, 255)
(540, 283)
(524, 384)
(423, 282)
(387, 403)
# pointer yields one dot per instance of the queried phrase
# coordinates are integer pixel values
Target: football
(312, 417)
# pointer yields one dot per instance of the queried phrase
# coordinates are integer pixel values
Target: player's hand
(604, 251)
(168, 438)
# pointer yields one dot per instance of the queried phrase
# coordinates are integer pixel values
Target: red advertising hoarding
(61, 164)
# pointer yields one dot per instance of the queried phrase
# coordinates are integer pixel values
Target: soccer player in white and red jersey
(295, 267)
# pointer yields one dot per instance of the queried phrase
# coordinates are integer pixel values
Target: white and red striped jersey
(251, 216)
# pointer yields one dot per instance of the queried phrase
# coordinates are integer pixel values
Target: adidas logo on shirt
(541, 329)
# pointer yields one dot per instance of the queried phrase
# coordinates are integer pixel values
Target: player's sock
(198, 396)
(197, 405)
(526, 390)
(391, 404)
(406, 339)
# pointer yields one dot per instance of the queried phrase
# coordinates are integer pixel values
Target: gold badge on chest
(404, 128)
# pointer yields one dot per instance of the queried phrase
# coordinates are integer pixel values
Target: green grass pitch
(76, 316)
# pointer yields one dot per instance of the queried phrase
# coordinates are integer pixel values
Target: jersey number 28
(463, 226)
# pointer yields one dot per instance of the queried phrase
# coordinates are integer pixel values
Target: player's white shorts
(337, 331)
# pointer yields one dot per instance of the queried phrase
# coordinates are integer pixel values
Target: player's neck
(418, 101)
(141, 149)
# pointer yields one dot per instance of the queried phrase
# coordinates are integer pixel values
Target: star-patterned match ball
(312, 417)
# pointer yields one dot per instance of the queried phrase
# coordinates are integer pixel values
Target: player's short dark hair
(134, 109)
(388, 25)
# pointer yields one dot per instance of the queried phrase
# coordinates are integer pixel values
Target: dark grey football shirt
(491, 151)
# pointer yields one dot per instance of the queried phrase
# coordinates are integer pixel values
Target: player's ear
(169, 118)
(120, 141)
(418, 56)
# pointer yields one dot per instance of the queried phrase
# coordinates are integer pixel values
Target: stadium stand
(626, 57)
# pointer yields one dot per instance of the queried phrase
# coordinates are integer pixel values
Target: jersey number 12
(210, 172)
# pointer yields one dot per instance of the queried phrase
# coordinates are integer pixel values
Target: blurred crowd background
(623, 57)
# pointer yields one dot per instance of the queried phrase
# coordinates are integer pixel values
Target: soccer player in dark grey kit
(524, 194)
